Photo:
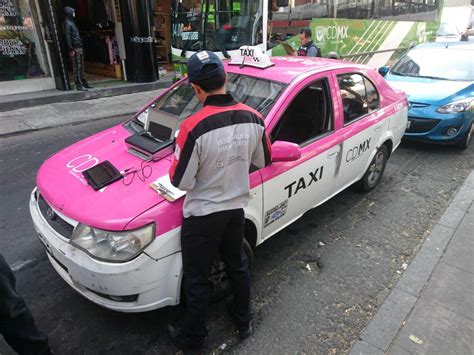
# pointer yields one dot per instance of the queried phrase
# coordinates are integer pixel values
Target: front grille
(57, 261)
(128, 298)
(56, 222)
(417, 104)
(421, 125)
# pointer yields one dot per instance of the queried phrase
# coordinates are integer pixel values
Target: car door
(291, 188)
(361, 128)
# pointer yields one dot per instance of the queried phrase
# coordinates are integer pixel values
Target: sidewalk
(36, 118)
(431, 308)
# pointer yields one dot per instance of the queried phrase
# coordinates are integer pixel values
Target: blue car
(438, 79)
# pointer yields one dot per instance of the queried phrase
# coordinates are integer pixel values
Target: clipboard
(164, 187)
(288, 48)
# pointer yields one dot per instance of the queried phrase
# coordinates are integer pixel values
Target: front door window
(308, 117)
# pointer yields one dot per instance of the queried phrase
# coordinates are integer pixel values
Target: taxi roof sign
(251, 56)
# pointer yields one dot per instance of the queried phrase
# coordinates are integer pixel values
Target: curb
(13, 102)
(381, 331)
(30, 130)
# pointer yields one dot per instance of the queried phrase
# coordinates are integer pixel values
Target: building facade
(123, 40)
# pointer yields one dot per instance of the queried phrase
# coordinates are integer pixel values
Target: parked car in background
(454, 23)
(439, 81)
(448, 32)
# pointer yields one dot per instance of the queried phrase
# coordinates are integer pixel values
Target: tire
(374, 172)
(220, 283)
(464, 142)
(219, 280)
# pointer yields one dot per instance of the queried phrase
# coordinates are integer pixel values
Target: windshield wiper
(431, 77)
(398, 73)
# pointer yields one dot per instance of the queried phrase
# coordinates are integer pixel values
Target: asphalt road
(315, 285)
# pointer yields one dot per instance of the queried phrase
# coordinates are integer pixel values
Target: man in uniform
(214, 150)
(307, 48)
(74, 46)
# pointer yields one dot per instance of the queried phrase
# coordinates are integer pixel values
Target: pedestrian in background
(75, 51)
(214, 150)
(307, 48)
(16, 321)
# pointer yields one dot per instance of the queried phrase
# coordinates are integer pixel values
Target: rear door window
(359, 96)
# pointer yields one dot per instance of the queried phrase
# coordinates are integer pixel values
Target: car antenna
(243, 61)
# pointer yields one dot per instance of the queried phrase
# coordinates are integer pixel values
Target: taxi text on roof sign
(251, 56)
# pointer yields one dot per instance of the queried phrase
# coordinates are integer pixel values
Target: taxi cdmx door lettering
(357, 151)
(302, 183)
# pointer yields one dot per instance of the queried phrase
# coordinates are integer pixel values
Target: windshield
(448, 29)
(439, 63)
(181, 101)
(216, 25)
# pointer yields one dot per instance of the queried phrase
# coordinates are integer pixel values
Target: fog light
(452, 131)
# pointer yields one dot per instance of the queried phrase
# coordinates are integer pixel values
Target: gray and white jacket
(214, 151)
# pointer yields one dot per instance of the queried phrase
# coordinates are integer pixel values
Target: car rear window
(359, 96)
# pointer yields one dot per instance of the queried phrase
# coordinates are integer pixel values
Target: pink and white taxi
(331, 123)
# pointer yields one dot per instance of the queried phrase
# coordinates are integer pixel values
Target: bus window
(215, 25)
(369, 9)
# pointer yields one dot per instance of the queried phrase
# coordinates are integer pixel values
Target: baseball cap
(204, 65)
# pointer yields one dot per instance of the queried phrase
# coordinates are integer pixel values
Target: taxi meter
(251, 56)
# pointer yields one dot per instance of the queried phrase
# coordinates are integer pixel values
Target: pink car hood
(61, 183)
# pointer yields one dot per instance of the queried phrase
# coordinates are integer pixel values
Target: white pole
(265, 23)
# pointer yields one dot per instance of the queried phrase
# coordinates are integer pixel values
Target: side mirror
(285, 151)
(282, 3)
(384, 70)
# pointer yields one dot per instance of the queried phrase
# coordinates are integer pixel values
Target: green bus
(374, 32)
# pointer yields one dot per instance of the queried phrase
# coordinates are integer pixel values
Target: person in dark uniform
(75, 50)
(16, 321)
(214, 150)
(307, 48)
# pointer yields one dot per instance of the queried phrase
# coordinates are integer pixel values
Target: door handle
(378, 127)
(333, 155)
(253, 194)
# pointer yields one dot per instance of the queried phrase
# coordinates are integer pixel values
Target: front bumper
(429, 126)
(145, 283)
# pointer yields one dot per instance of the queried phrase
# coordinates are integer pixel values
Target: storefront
(123, 40)
(24, 60)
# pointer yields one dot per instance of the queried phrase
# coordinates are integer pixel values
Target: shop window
(22, 54)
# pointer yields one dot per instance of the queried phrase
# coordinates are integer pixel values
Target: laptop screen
(161, 125)
(160, 132)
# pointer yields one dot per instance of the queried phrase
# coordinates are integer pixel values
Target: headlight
(112, 246)
(456, 106)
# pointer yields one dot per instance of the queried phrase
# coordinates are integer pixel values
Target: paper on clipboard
(288, 48)
(164, 187)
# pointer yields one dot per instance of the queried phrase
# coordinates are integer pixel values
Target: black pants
(16, 321)
(201, 239)
(78, 67)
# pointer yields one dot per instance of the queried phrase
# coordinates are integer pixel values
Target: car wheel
(219, 280)
(375, 170)
(220, 283)
(464, 143)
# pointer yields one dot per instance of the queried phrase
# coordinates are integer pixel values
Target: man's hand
(72, 53)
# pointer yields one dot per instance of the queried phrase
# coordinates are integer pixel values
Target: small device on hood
(101, 175)
(156, 141)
